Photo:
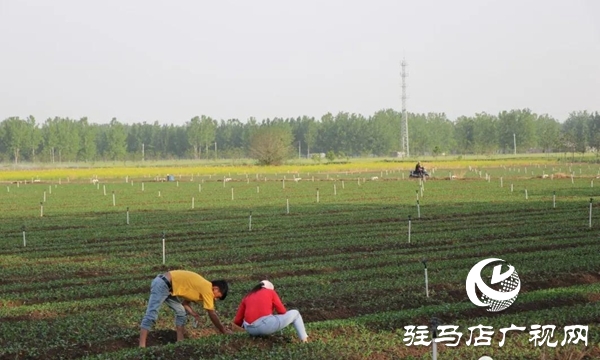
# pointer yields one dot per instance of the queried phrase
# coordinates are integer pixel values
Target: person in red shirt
(255, 313)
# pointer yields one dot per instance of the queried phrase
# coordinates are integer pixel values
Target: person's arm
(277, 304)
(239, 317)
(190, 310)
(215, 320)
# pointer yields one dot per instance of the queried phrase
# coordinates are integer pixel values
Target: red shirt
(257, 305)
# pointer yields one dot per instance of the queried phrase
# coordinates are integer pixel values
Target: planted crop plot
(74, 281)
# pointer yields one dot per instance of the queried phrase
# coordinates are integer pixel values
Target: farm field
(78, 286)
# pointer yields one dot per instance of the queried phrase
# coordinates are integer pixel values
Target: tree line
(344, 134)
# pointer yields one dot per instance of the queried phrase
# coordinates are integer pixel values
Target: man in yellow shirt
(190, 287)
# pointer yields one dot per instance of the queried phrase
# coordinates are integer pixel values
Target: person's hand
(234, 327)
(228, 331)
(196, 321)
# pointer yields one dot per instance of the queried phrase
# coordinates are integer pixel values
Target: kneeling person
(255, 313)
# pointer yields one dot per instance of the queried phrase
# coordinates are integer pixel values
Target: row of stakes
(193, 199)
(421, 183)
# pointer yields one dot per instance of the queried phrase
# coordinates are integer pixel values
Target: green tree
(330, 156)
(578, 126)
(15, 136)
(34, 137)
(194, 135)
(418, 134)
(87, 140)
(440, 133)
(519, 125)
(594, 130)
(271, 145)
(385, 132)
(485, 134)
(548, 133)
(464, 134)
(116, 140)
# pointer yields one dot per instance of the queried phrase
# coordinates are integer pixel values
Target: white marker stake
(142, 186)
(231, 193)
(526, 194)
(287, 205)
(126, 179)
(317, 194)
(257, 189)
(247, 181)
(418, 209)
(342, 184)
(103, 187)
(250, 222)
(554, 200)
(50, 188)
(334, 190)
(426, 283)
(24, 241)
(511, 187)
(417, 191)
(128, 215)
(44, 196)
(177, 183)
(192, 203)
(409, 229)
(592, 183)
(163, 243)
(41, 209)
(501, 182)
(158, 193)
(283, 183)
(8, 189)
(572, 181)
(591, 212)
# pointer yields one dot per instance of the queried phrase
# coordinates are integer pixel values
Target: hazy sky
(147, 60)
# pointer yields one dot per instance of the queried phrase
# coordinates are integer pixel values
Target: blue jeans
(269, 324)
(159, 293)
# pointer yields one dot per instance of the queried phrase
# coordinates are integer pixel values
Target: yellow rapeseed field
(136, 170)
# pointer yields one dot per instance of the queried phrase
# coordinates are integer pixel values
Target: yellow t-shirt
(193, 287)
